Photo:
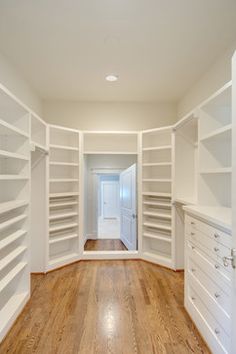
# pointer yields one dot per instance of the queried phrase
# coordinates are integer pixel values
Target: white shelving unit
(39, 192)
(215, 149)
(14, 209)
(185, 177)
(157, 215)
(63, 242)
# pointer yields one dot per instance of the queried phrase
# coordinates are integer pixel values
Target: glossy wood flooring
(105, 245)
(120, 307)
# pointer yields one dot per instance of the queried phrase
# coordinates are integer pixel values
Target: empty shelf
(11, 238)
(164, 147)
(63, 147)
(12, 205)
(57, 239)
(61, 227)
(223, 133)
(157, 215)
(153, 164)
(72, 164)
(12, 221)
(62, 216)
(160, 258)
(63, 258)
(63, 204)
(62, 195)
(165, 180)
(11, 256)
(13, 155)
(9, 129)
(61, 180)
(217, 170)
(159, 204)
(11, 275)
(13, 178)
(157, 194)
(157, 226)
(157, 237)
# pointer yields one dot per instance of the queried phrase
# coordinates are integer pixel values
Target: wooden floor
(120, 307)
(104, 245)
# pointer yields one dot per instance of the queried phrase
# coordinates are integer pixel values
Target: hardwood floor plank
(105, 307)
(105, 245)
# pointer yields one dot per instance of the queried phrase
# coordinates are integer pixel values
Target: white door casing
(110, 199)
(128, 212)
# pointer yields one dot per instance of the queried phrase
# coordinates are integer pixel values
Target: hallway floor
(104, 245)
(105, 307)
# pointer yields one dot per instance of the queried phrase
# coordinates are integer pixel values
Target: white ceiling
(159, 48)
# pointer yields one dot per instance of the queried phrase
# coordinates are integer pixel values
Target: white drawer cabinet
(208, 281)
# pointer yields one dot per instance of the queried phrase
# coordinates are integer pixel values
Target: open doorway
(110, 203)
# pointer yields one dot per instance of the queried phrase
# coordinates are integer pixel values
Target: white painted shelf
(12, 221)
(104, 152)
(4, 262)
(13, 177)
(12, 238)
(157, 237)
(164, 147)
(157, 215)
(157, 194)
(63, 259)
(13, 155)
(72, 164)
(63, 147)
(156, 164)
(157, 226)
(157, 204)
(62, 216)
(61, 227)
(11, 275)
(223, 133)
(159, 180)
(9, 129)
(63, 180)
(57, 239)
(63, 204)
(159, 258)
(12, 205)
(217, 170)
(62, 195)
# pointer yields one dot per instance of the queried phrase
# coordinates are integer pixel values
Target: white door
(128, 214)
(110, 199)
(233, 332)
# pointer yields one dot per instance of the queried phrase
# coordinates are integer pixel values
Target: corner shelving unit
(215, 149)
(185, 177)
(157, 231)
(39, 192)
(63, 242)
(14, 209)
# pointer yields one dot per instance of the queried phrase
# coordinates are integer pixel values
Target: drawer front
(219, 295)
(220, 236)
(213, 269)
(213, 307)
(213, 333)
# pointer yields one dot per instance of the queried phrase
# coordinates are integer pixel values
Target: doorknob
(230, 259)
(133, 216)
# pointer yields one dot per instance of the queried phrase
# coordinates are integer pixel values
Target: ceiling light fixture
(111, 78)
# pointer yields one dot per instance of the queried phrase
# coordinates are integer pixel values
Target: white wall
(109, 115)
(103, 162)
(217, 75)
(13, 81)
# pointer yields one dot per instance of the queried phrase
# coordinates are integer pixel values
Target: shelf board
(157, 237)
(221, 133)
(13, 178)
(163, 147)
(62, 258)
(159, 258)
(37, 146)
(65, 204)
(157, 215)
(158, 204)
(185, 201)
(157, 194)
(12, 221)
(4, 262)
(12, 238)
(72, 164)
(160, 180)
(150, 164)
(55, 239)
(110, 152)
(13, 155)
(221, 170)
(157, 226)
(62, 227)
(11, 311)
(63, 180)
(9, 129)
(62, 216)
(11, 275)
(63, 147)
(63, 195)
(12, 205)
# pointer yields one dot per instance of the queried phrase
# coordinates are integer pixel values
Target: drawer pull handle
(193, 298)
(216, 235)
(217, 266)
(193, 247)
(216, 249)
(217, 331)
(192, 223)
(192, 233)
(217, 295)
(193, 270)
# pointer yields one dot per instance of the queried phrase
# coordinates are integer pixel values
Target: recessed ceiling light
(111, 77)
